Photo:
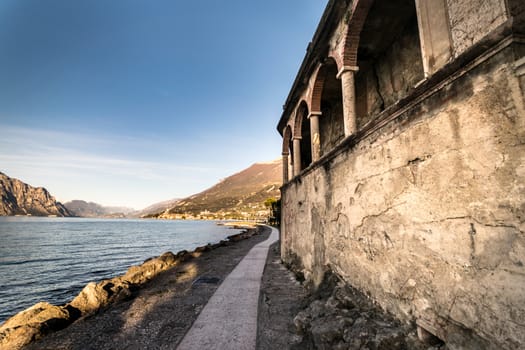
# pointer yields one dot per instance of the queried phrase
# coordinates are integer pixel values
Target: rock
(203, 249)
(184, 256)
(317, 309)
(302, 321)
(235, 238)
(91, 299)
(169, 258)
(327, 331)
(32, 324)
(340, 317)
(95, 296)
(149, 269)
(389, 338)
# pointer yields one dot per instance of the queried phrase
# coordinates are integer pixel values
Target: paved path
(229, 319)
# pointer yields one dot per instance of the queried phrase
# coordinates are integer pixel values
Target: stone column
(346, 74)
(285, 168)
(316, 140)
(290, 167)
(296, 155)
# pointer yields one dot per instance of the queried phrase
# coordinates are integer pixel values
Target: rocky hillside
(240, 196)
(18, 198)
(94, 210)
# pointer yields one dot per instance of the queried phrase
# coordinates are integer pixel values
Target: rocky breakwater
(44, 318)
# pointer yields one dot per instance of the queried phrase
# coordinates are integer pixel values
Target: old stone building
(404, 163)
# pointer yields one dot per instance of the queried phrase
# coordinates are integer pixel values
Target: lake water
(52, 259)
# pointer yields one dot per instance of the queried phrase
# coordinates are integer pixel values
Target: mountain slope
(240, 196)
(156, 208)
(19, 198)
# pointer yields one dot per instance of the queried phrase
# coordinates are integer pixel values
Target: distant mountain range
(94, 210)
(19, 198)
(239, 196)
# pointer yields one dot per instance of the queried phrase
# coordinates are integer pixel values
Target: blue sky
(131, 102)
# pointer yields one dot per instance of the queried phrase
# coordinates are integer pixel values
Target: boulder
(149, 269)
(91, 299)
(32, 324)
(95, 296)
(327, 331)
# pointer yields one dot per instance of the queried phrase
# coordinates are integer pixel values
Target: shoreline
(81, 250)
(95, 298)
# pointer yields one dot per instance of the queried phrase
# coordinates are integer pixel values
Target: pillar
(434, 34)
(285, 168)
(296, 155)
(346, 74)
(290, 167)
(314, 130)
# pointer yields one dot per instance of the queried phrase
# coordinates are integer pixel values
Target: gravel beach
(160, 312)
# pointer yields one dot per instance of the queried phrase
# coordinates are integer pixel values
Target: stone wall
(427, 214)
(471, 20)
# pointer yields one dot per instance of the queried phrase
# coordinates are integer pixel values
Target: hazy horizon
(130, 103)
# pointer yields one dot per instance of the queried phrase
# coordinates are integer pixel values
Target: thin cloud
(47, 158)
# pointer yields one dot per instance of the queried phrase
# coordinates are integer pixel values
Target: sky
(132, 102)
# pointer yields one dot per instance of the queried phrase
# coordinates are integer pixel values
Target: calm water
(52, 259)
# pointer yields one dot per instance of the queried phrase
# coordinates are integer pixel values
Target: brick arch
(287, 137)
(300, 114)
(359, 13)
(317, 90)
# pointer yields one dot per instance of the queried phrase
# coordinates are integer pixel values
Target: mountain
(94, 210)
(19, 198)
(156, 208)
(240, 196)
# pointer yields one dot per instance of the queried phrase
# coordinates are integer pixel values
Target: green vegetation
(274, 205)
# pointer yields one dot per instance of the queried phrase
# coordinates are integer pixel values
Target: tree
(274, 206)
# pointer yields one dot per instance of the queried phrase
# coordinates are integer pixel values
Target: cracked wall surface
(427, 215)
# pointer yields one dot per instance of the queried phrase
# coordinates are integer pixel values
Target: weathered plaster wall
(428, 215)
(471, 20)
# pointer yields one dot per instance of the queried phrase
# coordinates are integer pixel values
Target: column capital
(314, 114)
(345, 69)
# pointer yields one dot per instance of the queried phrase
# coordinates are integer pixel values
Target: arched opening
(388, 57)
(304, 133)
(331, 122)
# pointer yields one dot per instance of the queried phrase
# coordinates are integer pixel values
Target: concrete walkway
(229, 319)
